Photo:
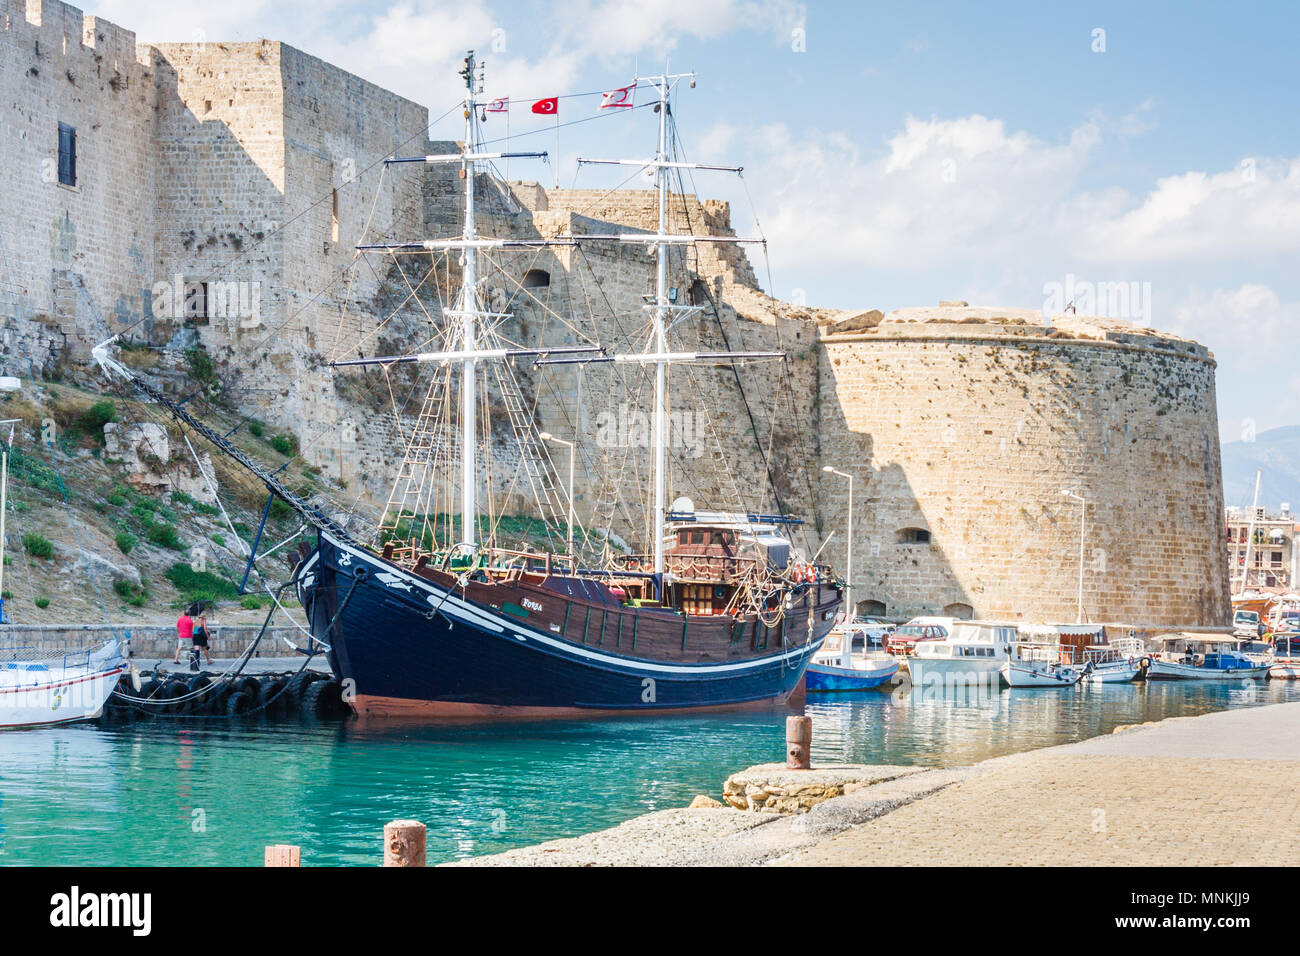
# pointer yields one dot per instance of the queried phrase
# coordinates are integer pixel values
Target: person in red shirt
(184, 634)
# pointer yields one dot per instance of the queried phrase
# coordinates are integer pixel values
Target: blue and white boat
(1190, 656)
(836, 668)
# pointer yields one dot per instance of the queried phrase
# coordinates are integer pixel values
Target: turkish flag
(547, 107)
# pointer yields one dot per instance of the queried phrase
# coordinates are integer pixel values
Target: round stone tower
(968, 425)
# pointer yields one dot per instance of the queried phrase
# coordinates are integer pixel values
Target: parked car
(905, 637)
(1245, 624)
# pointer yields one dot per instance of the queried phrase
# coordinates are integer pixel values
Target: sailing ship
(724, 609)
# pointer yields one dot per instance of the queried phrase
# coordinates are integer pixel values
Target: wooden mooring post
(282, 854)
(404, 842)
(798, 743)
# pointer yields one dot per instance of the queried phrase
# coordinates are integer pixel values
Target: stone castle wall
(257, 165)
(972, 431)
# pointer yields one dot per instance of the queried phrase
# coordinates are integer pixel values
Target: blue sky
(912, 152)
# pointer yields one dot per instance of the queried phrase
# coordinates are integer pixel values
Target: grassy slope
(105, 513)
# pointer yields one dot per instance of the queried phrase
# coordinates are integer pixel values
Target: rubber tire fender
(238, 704)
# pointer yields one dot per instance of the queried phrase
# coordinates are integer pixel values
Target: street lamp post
(572, 446)
(846, 653)
(8, 384)
(1083, 531)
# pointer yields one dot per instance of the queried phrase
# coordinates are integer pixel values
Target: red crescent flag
(498, 106)
(547, 107)
(621, 97)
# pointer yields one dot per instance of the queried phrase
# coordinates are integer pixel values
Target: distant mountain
(1276, 453)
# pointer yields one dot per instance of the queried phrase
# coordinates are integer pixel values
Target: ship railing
(692, 567)
(23, 663)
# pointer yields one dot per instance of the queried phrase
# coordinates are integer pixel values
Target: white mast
(469, 337)
(660, 335)
(663, 306)
(1250, 534)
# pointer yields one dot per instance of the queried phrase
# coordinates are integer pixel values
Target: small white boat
(40, 692)
(971, 654)
(1285, 664)
(1117, 662)
(1040, 674)
(836, 668)
(1039, 664)
(1191, 656)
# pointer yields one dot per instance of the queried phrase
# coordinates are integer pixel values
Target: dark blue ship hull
(404, 645)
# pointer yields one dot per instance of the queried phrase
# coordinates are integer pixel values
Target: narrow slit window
(334, 224)
(67, 155)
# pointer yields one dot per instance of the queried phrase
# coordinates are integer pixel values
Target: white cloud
(1253, 333)
(618, 29)
(963, 190)
(1240, 213)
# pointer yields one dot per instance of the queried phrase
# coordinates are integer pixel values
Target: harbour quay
(1081, 804)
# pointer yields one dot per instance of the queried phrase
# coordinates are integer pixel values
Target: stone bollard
(282, 854)
(404, 843)
(798, 743)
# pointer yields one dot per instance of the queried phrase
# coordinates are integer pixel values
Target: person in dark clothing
(200, 639)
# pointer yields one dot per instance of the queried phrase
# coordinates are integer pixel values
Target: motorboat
(1117, 661)
(973, 652)
(1187, 655)
(1032, 664)
(1286, 658)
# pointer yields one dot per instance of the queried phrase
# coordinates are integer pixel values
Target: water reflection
(217, 793)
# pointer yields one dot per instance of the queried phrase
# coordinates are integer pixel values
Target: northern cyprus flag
(619, 98)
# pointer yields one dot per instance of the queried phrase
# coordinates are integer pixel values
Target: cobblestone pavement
(1200, 791)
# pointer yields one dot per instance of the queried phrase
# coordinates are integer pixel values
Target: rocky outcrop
(774, 788)
(143, 450)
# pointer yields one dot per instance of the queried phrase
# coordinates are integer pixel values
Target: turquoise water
(217, 793)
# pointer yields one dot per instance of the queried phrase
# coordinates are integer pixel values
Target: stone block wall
(971, 432)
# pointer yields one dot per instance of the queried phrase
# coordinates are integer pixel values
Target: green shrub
(42, 603)
(164, 535)
(128, 592)
(285, 444)
(256, 428)
(6, 595)
(219, 540)
(279, 510)
(125, 541)
(96, 417)
(251, 603)
(38, 546)
(202, 369)
(201, 585)
(189, 501)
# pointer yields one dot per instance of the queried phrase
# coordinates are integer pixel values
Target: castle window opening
(67, 155)
(913, 536)
(334, 223)
(537, 279)
(958, 610)
(872, 608)
(196, 302)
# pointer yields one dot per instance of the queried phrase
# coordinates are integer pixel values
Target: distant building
(1274, 561)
